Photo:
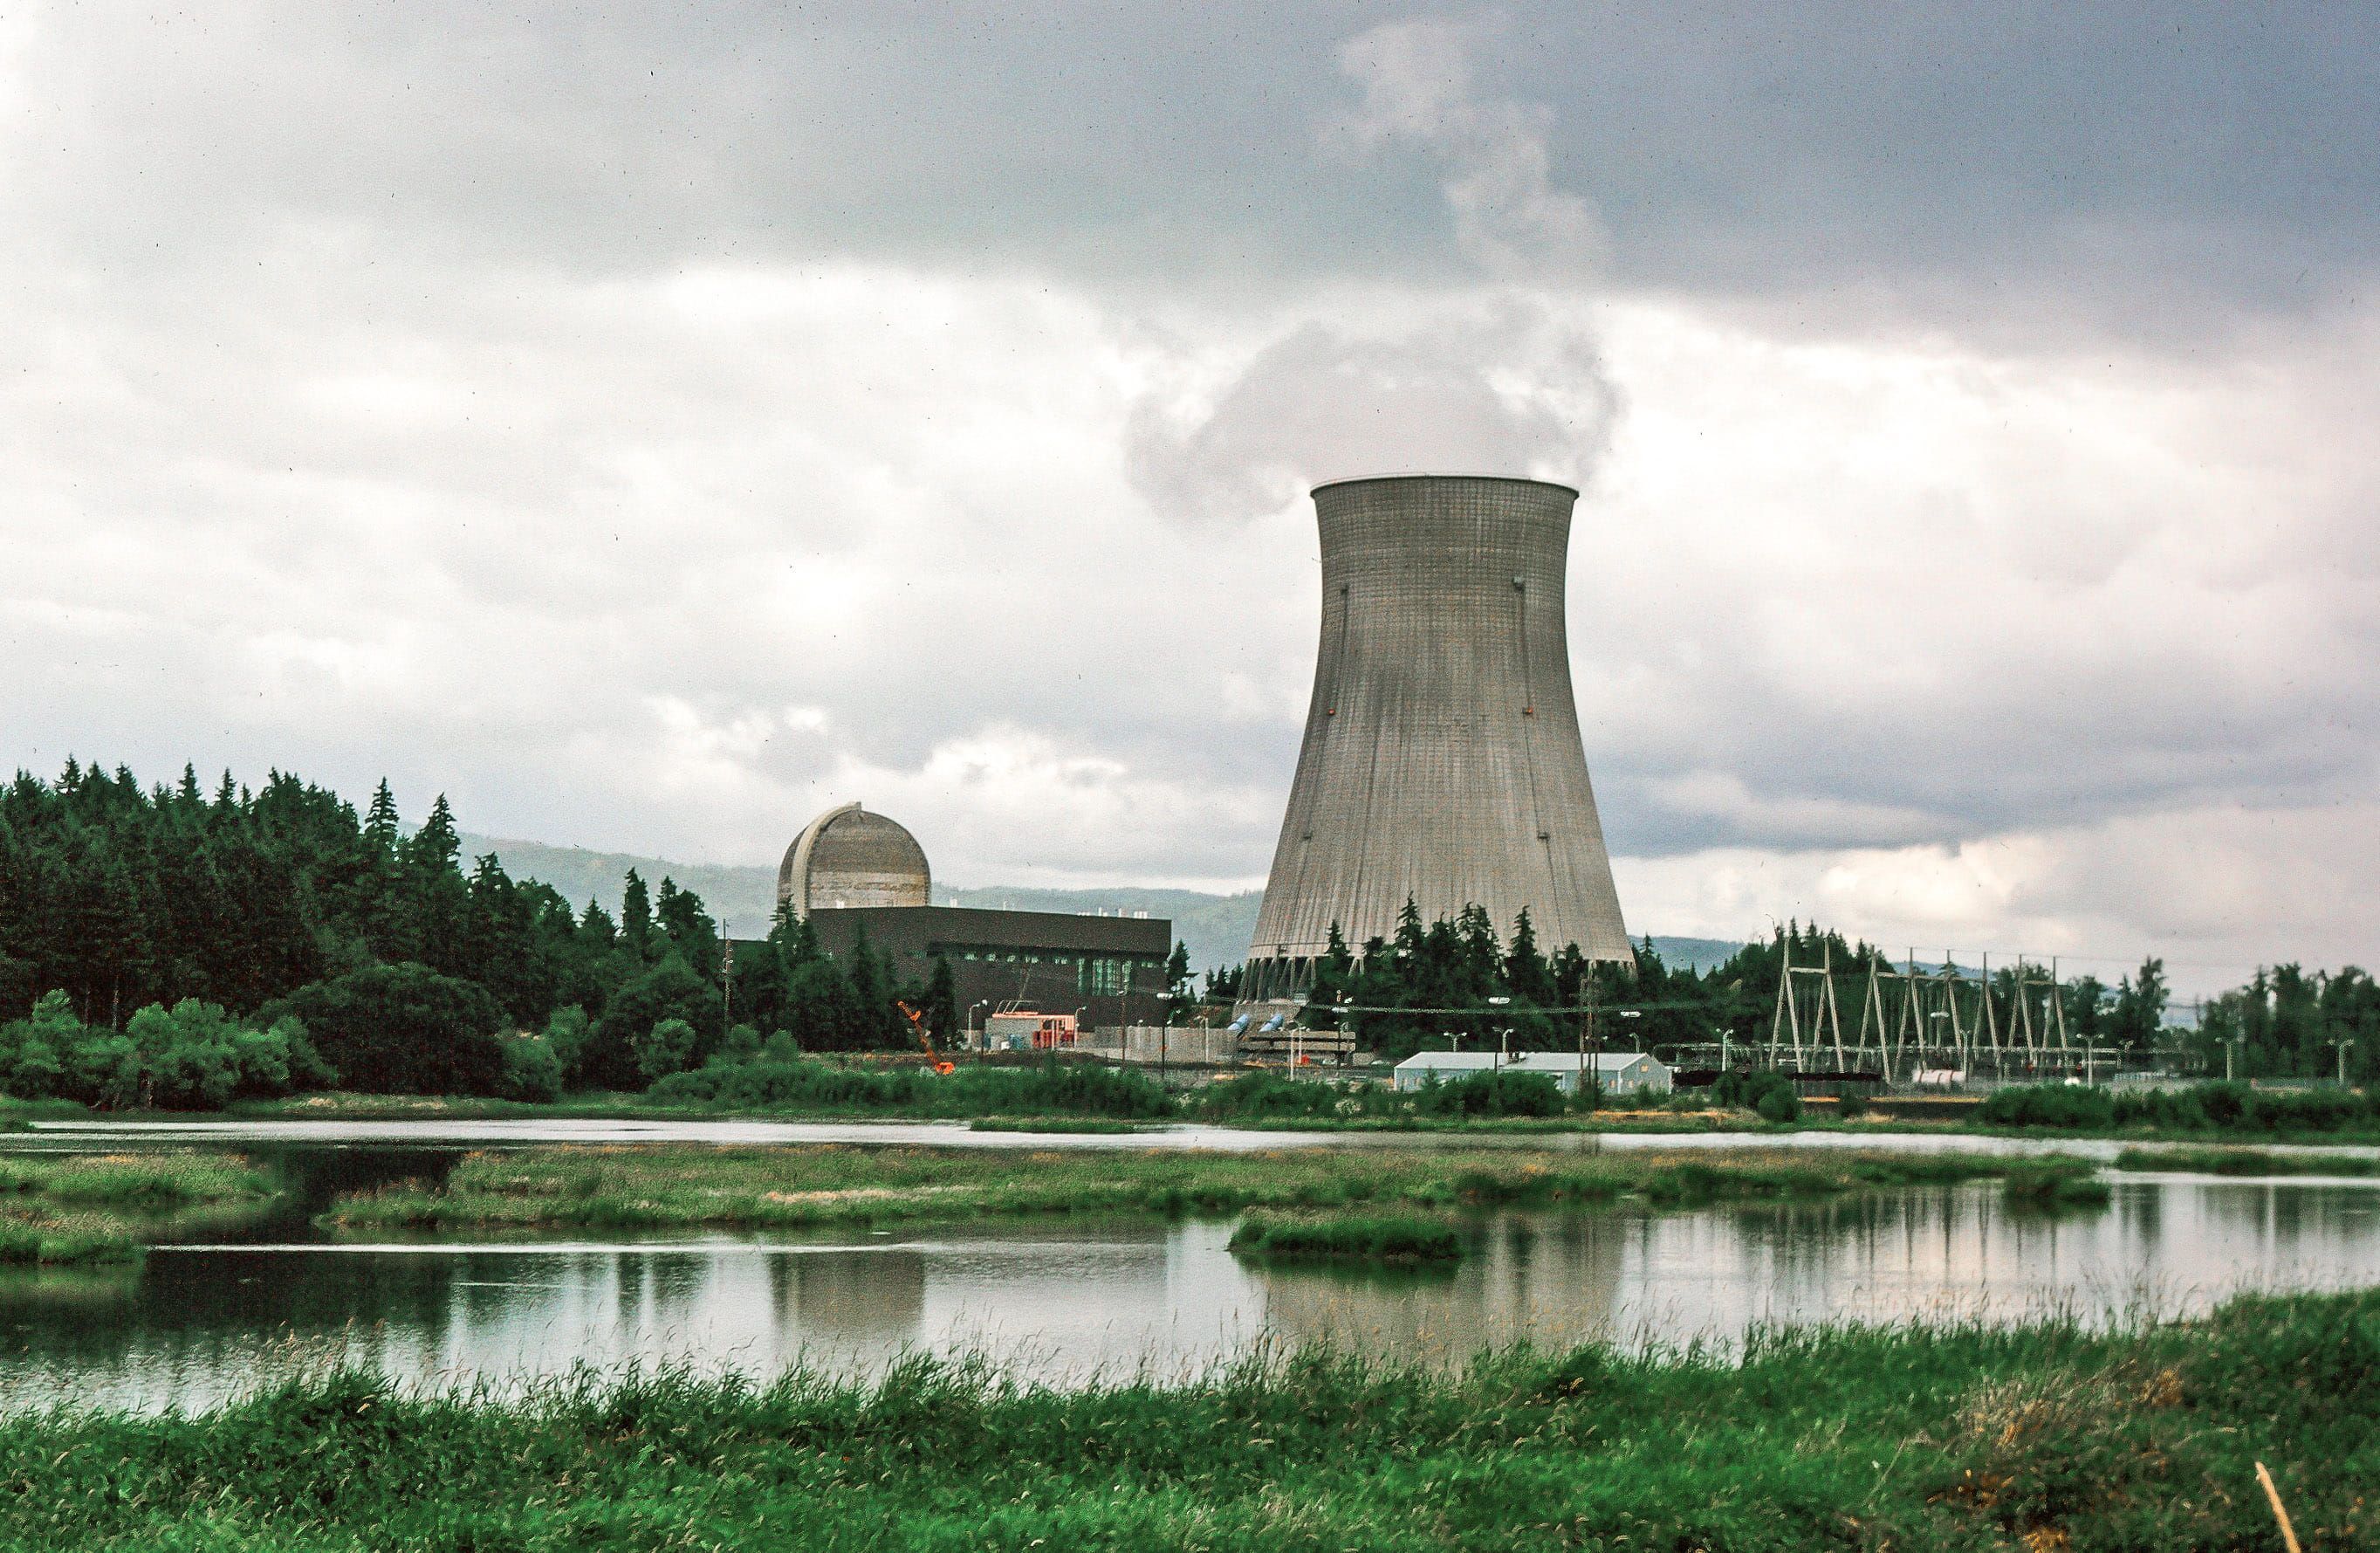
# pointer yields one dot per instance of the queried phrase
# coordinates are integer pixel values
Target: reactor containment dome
(848, 857)
(1441, 763)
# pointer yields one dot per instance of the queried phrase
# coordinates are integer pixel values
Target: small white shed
(1615, 1072)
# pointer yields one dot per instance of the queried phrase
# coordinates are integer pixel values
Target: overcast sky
(651, 425)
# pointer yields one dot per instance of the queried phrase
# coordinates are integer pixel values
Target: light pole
(1624, 1013)
(1503, 1047)
(2343, 1045)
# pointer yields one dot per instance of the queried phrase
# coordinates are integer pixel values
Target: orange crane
(925, 1037)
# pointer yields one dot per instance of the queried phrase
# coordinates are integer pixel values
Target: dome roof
(849, 857)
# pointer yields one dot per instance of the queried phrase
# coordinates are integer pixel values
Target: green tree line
(174, 947)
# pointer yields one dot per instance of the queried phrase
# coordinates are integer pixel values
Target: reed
(684, 1186)
(1914, 1438)
(2247, 1162)
(85, 1210)
(1382, 1237)
(2055, 1183)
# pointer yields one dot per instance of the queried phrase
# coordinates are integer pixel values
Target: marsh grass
(1382, 1237)
(2247, 1162)
(87, 1210)
(2055, 1183)
(2051, 1435)
(678, 1186)
(1091, 1126)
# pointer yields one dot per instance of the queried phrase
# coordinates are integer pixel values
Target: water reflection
(103, 1134)
(1069, 1300)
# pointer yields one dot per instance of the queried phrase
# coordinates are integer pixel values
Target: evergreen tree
(637, 918)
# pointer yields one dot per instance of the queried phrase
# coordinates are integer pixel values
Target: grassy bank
(1390, 1238)
(687, 1185)
(1912, 1440)
(2247, 1162)
(67, 1210)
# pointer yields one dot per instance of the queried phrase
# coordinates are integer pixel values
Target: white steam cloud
(1512, 386)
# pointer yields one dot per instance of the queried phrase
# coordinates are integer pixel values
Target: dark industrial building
(1110, 969)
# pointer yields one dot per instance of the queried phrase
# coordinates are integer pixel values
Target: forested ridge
(278, 939)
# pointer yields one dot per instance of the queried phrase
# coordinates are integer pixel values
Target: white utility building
(1615, 1072)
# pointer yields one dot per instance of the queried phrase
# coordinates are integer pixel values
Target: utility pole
(726, 980)
(1586, 1035)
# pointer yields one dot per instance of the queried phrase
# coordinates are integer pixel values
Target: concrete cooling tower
(1441, 760)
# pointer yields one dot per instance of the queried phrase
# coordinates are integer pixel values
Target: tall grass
(811, 1087)
(2055, 1183)
(1913, 1439)
(147, 1183)
(2247, 1162)
(685, 1185)
(67, 1210)
(1347, 1237)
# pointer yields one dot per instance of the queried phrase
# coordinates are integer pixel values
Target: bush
(403, 1029)
(191, 1056)
(530, 1070)
(2064, 1106)
(1496, 1094)
(669, 991)
(1769, 1094)
(195, 1057)
(1851, 1105)
(666, 1048)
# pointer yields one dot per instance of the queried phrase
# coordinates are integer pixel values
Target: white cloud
(632, 429)
(2213, 891)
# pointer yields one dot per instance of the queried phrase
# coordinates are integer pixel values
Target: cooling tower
(1441, 760)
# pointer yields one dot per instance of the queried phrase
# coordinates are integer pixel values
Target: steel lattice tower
(1441, 760)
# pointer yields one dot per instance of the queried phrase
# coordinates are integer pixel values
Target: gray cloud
(653, 425)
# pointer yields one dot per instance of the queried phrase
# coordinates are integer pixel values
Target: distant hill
(741, 895)
(1215, 928)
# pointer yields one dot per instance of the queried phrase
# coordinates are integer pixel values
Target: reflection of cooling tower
(1442, 761)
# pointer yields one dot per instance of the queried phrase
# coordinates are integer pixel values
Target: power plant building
(854, 875)
(1442, 761)
(848, 857)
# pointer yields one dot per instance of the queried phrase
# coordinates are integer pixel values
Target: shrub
(531, 1069)
(669, 991)
(1496, 1094)
(664, 1049)
(2065, 1106)
(1851, 1105)
(403, 1029)
(1767, 1094)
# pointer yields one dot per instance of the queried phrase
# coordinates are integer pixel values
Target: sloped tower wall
(1441, 759)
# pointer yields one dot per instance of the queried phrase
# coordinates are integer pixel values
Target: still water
(524, 1134)
(1066, 1300)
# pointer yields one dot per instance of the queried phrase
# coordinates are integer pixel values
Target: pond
(1064, 1299)
(463, 1132)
